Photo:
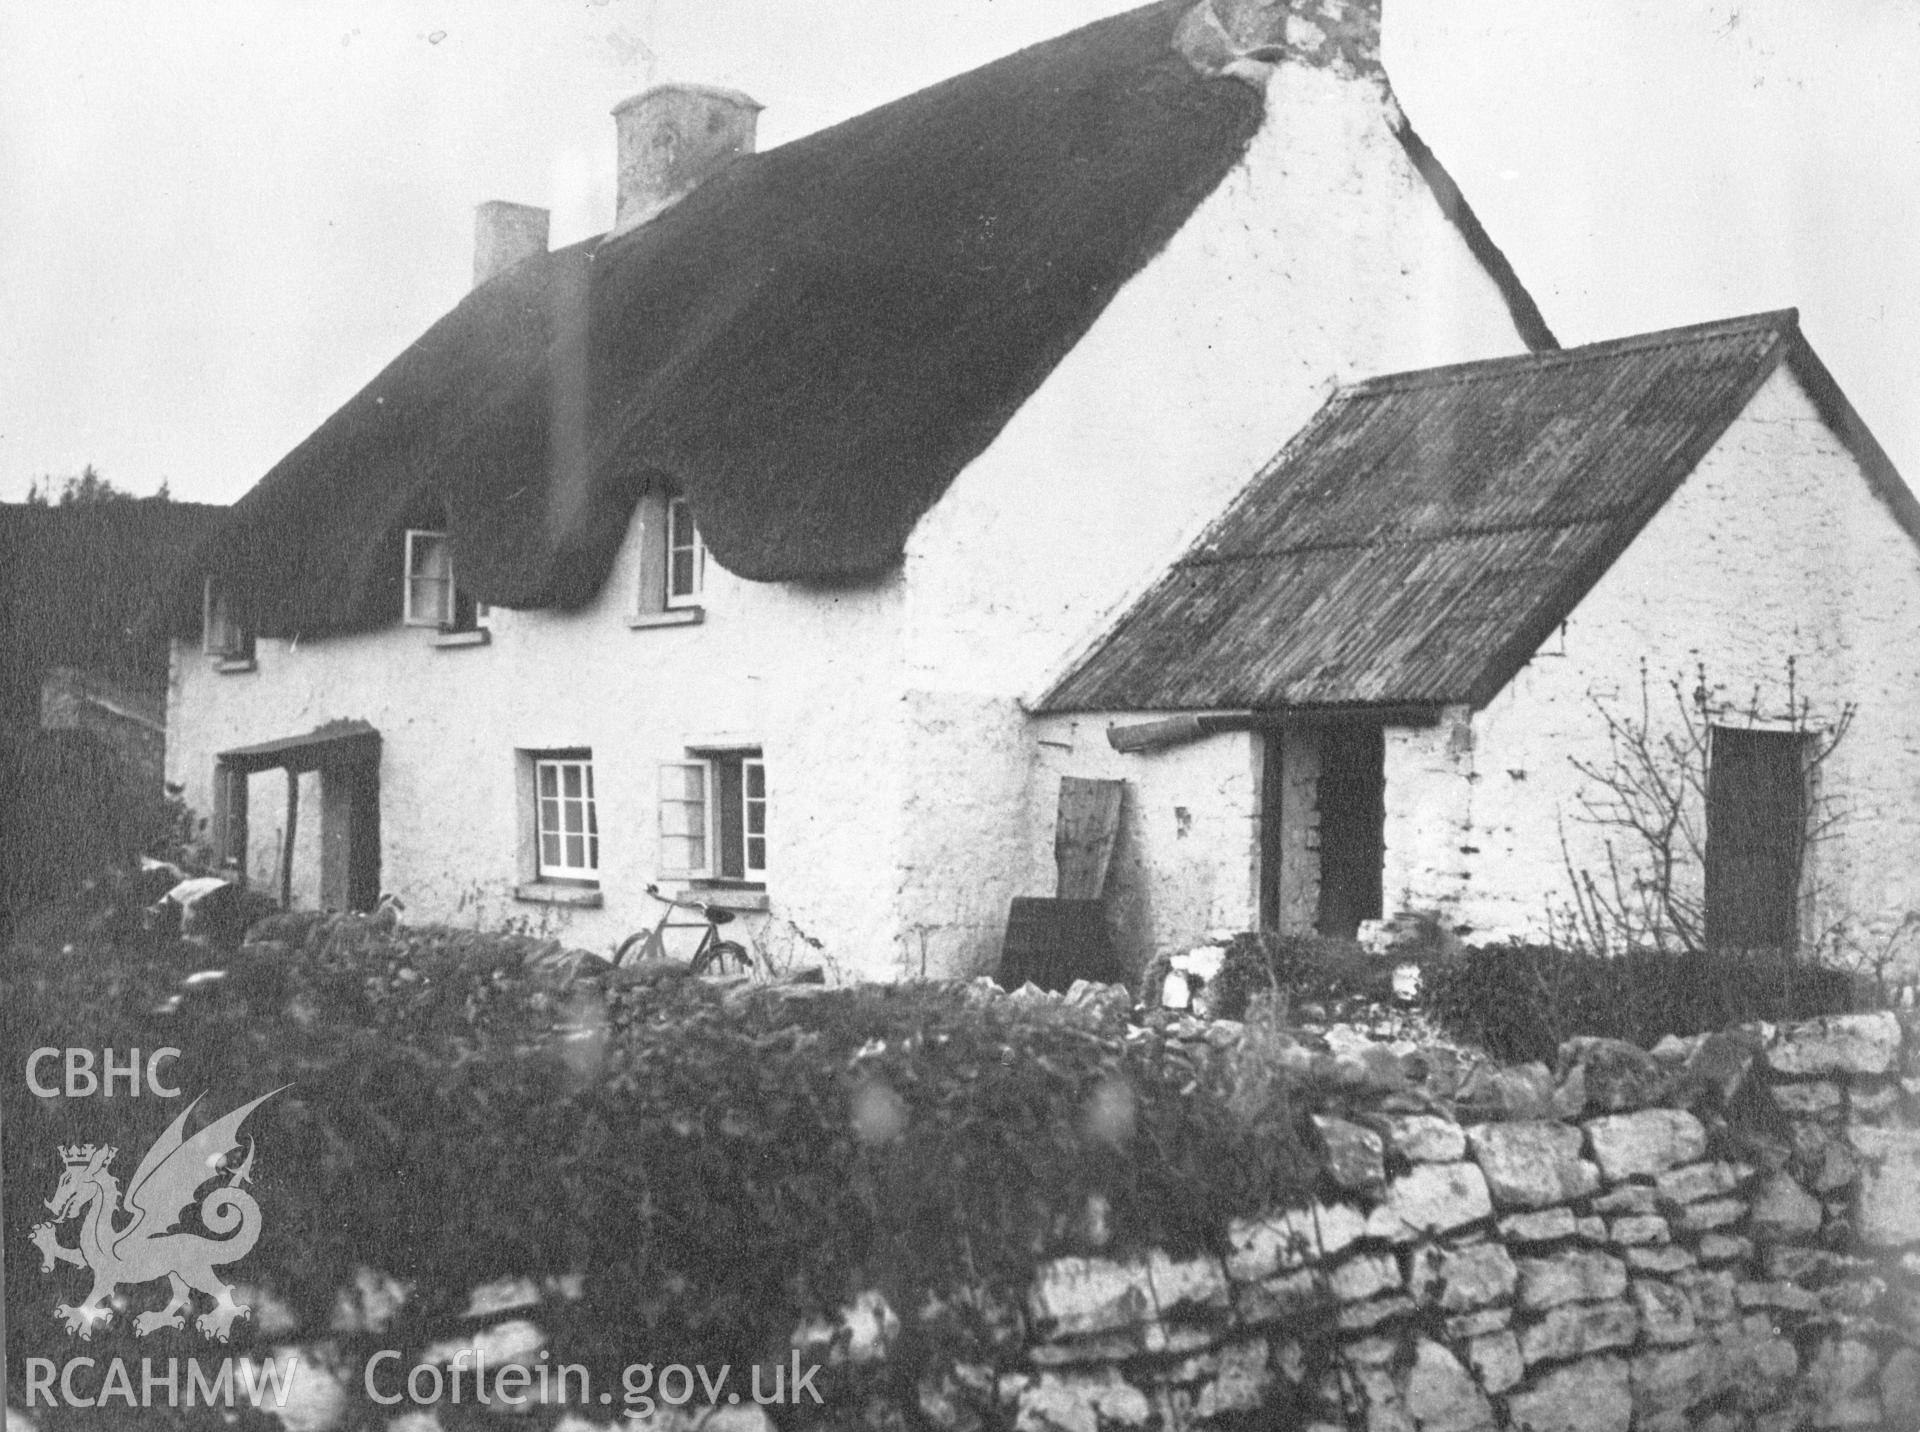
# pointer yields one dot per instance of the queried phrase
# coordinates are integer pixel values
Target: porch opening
(346, 755)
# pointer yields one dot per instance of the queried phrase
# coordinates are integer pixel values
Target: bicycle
(712, 956)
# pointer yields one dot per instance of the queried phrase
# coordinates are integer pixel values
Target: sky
(220, 218)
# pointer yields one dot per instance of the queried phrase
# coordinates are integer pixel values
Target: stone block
(1874, 1103)
(1615, 1076)
(1355, 1155)
(1889, 1200)
(1425, 1138)
(1664, 1311)
(1692, 1182)
(1639, 1231)
(1645, 1143)
(1283, 1296)
(1578, 1275)
(1837, 1044)
(1479, 1324)
(1712, 1213)
(1532, 1164)
(1441, 1395)
(1724, 1248)
(1593, 1229)
(1365, 1317)
(1546, 1225)
(1666, 1259)
(1589, 1396)
(1781, 1209)
(1812, 1099)
(1900, 1381)
(1431, 1198)
(1238, 1380)
(1760, 1361)
(1787, 1297)
(1464, 1278)
(1364, 1276)
(1577, 1329)
(1843, 1384)
(1711, 1292)
(1496, 1359)
(1635, 1198)
(1076, 1297)
(1673, 1380)
(1279, 1242)
(1089, 1401)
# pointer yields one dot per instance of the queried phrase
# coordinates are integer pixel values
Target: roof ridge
(1781, 320)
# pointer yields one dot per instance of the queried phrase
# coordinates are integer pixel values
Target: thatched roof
(1426, 531)
(810, 346)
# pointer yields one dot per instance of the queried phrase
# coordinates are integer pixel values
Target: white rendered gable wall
(1321, 259)
(1775, 547)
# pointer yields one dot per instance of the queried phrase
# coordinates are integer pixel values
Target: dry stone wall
(1725, 1238)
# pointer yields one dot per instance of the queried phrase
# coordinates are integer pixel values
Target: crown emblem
(79, 1155)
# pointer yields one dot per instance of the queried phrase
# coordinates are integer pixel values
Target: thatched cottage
(791, 541)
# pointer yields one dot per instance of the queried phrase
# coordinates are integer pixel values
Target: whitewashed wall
(1775, 548)
(811, 676)
(1323, 258)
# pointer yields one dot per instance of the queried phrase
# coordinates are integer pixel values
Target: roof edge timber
(1832, 403)
(1528, 320)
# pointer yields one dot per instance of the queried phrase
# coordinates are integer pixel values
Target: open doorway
(1352, 803)
(1323, 827)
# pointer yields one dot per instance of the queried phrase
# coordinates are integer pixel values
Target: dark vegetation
(719, 1165)
(78, 567)
(1520, 1002)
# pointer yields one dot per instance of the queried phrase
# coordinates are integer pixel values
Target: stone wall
(1723, 1234)
(1724, 1237)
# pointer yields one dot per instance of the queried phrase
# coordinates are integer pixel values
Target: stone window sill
(670, 616)
(748, 899)
(233, 665)
(548, 892)
(449, 639)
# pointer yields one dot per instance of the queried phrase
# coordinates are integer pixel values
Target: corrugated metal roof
(1421, 536)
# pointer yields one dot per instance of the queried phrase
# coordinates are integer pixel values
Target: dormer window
(433, 597)
(223, 636)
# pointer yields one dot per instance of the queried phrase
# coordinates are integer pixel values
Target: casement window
(673, 562)
(222, 634)
(567, 824)
(713, 817)
(433, 597)
(686, 555)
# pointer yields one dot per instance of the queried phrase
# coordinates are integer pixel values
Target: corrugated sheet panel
(1426, 531)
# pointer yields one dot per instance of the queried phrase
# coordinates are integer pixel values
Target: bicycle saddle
(716, 914)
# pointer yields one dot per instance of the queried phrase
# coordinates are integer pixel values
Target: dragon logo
(144, 1249)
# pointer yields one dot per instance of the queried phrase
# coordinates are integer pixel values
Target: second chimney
(504, 234)
(672, 139)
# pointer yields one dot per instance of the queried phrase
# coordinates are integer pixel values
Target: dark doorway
(1756, 834)
(350, 836)
(1351, 797)
(1272, 846)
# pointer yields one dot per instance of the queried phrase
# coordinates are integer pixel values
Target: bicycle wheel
(639, 940)
(723, 957)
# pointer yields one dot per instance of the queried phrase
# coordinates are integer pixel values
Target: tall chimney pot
(672, 139)
(503, 235)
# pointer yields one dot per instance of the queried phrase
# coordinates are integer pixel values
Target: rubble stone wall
(1742, 1254)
